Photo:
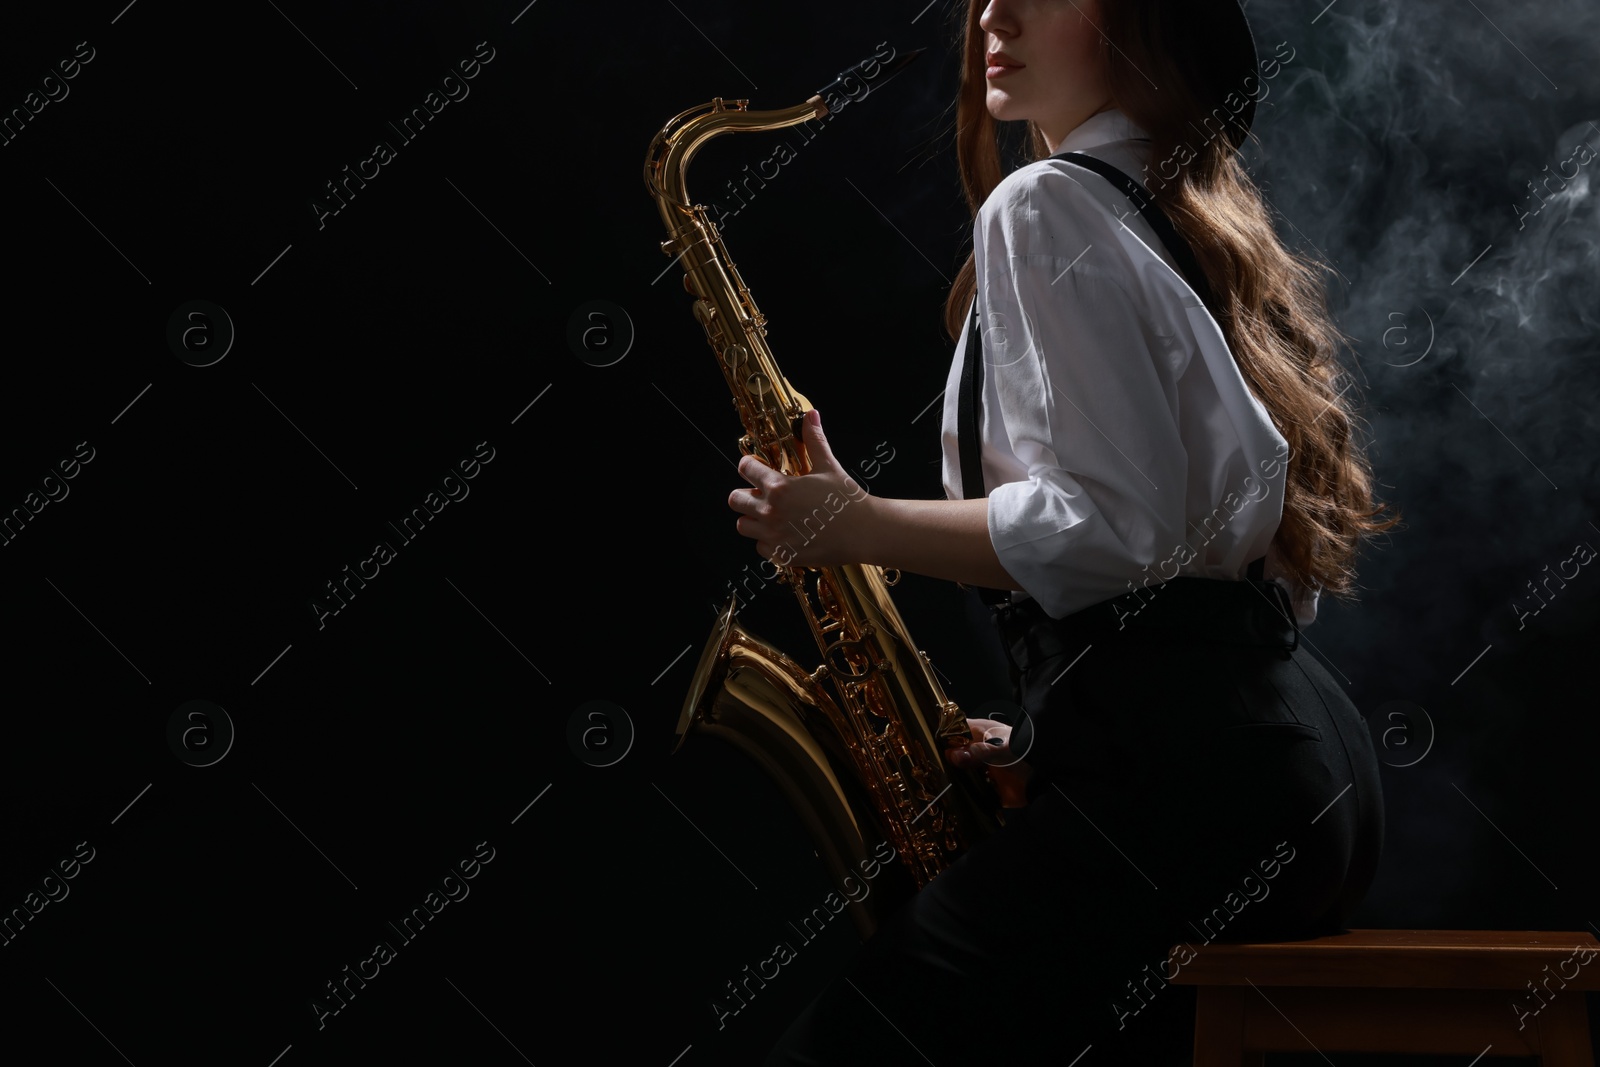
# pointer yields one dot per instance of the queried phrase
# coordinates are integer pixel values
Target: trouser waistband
(1250, 612)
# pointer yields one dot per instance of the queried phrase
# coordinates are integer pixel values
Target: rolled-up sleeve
(1084, 391)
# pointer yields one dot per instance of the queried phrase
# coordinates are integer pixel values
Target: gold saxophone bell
(856, 745)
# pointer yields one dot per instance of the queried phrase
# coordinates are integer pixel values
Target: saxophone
(856, 744)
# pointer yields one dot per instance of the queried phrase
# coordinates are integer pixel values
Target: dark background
(432, 314)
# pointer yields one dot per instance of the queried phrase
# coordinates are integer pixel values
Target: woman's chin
(1003, 106)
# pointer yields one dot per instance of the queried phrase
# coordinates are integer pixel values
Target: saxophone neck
(667, 162)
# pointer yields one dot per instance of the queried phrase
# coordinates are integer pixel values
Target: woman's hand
(819, 519)
(992, 751)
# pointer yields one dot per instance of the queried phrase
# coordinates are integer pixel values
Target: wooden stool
(1495, 992)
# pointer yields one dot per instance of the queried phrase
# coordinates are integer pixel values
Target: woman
(1148, 450)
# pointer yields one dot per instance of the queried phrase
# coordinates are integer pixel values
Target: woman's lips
(996, 72)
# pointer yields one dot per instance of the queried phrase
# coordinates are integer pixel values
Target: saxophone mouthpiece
(861, 80)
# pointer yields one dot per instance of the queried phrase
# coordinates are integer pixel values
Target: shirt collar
(1102, 128)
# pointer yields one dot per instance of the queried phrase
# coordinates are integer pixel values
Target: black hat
(1222, 58)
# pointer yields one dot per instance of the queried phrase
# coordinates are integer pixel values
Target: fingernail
(995, 741)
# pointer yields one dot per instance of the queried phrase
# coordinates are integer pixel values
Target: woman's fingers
(990, 744)
(985, 753)
(990, 750)
(758, 474)
(746, 503)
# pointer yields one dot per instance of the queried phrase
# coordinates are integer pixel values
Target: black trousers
(1198, 777)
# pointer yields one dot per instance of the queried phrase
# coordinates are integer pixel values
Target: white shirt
(1120, 442)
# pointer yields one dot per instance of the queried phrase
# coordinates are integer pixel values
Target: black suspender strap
(969, 424)
(969, 410)
(1146, 205)
(969, 402)
(1176, 245)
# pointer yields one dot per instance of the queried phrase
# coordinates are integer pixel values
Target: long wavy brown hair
(1268, 300)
